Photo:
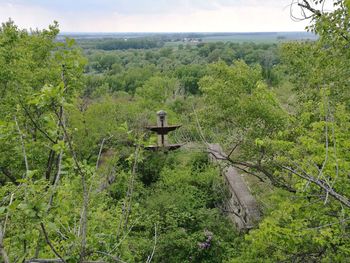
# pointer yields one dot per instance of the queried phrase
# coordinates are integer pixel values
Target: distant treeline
(131, 43)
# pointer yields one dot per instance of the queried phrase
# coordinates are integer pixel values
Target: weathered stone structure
(162, 129)
(241, 205)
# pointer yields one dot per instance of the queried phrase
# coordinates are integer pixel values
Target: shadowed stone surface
(242, 206)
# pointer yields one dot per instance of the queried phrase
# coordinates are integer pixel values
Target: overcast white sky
(153, 15)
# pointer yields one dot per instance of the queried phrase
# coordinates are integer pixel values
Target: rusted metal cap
(161, 113)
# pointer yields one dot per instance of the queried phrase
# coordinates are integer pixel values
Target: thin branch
(124, 237)
(258, 167)
(3, 233)
(344, 200)
(307, 6)
(57, 178)
(70, 146)
(99, 153)
(248, 172)
(23, 148)
(49, 165)
(2, 248)
(84, 219)
(9, 175)
(7, 214)
(59, 162)
(131, 186)
(335, 155)
(326, 143)
(50, 244)
(327, 225)
(26, 111)
(233, 149)
(149, 258)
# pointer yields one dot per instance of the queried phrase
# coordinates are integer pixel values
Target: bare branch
(149, 258)
(50, 244)
(84, 219)
(57, 178)
(2, 235)
(258, 167)
(234, 148)
(305, 4)
(2, 248)
(100, 151)
(9, 175)
(131, 186)
(26, 111)
(323, 185)
(7, 214)
(23, 147)
(126, 208)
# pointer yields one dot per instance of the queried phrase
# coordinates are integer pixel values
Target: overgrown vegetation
(77, 184)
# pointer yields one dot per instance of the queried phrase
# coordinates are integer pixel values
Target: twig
(7, 214)
(330, 224)
(2, 248)
(124, 237)
(258, 167)
(2, 235)
(84, 219)
(9, 175)
(70, 145)
(35, 124)
(49, 165)
(335, 155)
(49, 243)
(149, 258)
(100, 152)
(344, 200)
(23, 147)
(233, 149)
(98, 160)
(58, 176)
(131, 186)
(307, 6)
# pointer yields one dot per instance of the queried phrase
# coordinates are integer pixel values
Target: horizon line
(180, 32)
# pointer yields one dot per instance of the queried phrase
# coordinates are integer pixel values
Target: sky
(153, 15)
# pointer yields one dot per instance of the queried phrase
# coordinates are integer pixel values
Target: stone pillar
(162, 122)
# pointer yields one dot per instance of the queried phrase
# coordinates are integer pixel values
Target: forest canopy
(78, 185)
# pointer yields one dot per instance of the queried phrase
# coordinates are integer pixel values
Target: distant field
(95, 40)
(205, 37)
(261, 37)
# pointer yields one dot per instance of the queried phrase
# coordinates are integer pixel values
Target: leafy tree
(311, 225)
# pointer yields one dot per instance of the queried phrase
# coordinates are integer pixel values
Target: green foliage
(311, 225)
(121, 44)
(239, 101)
(69, 168)
(157, 90)
(182, 205)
